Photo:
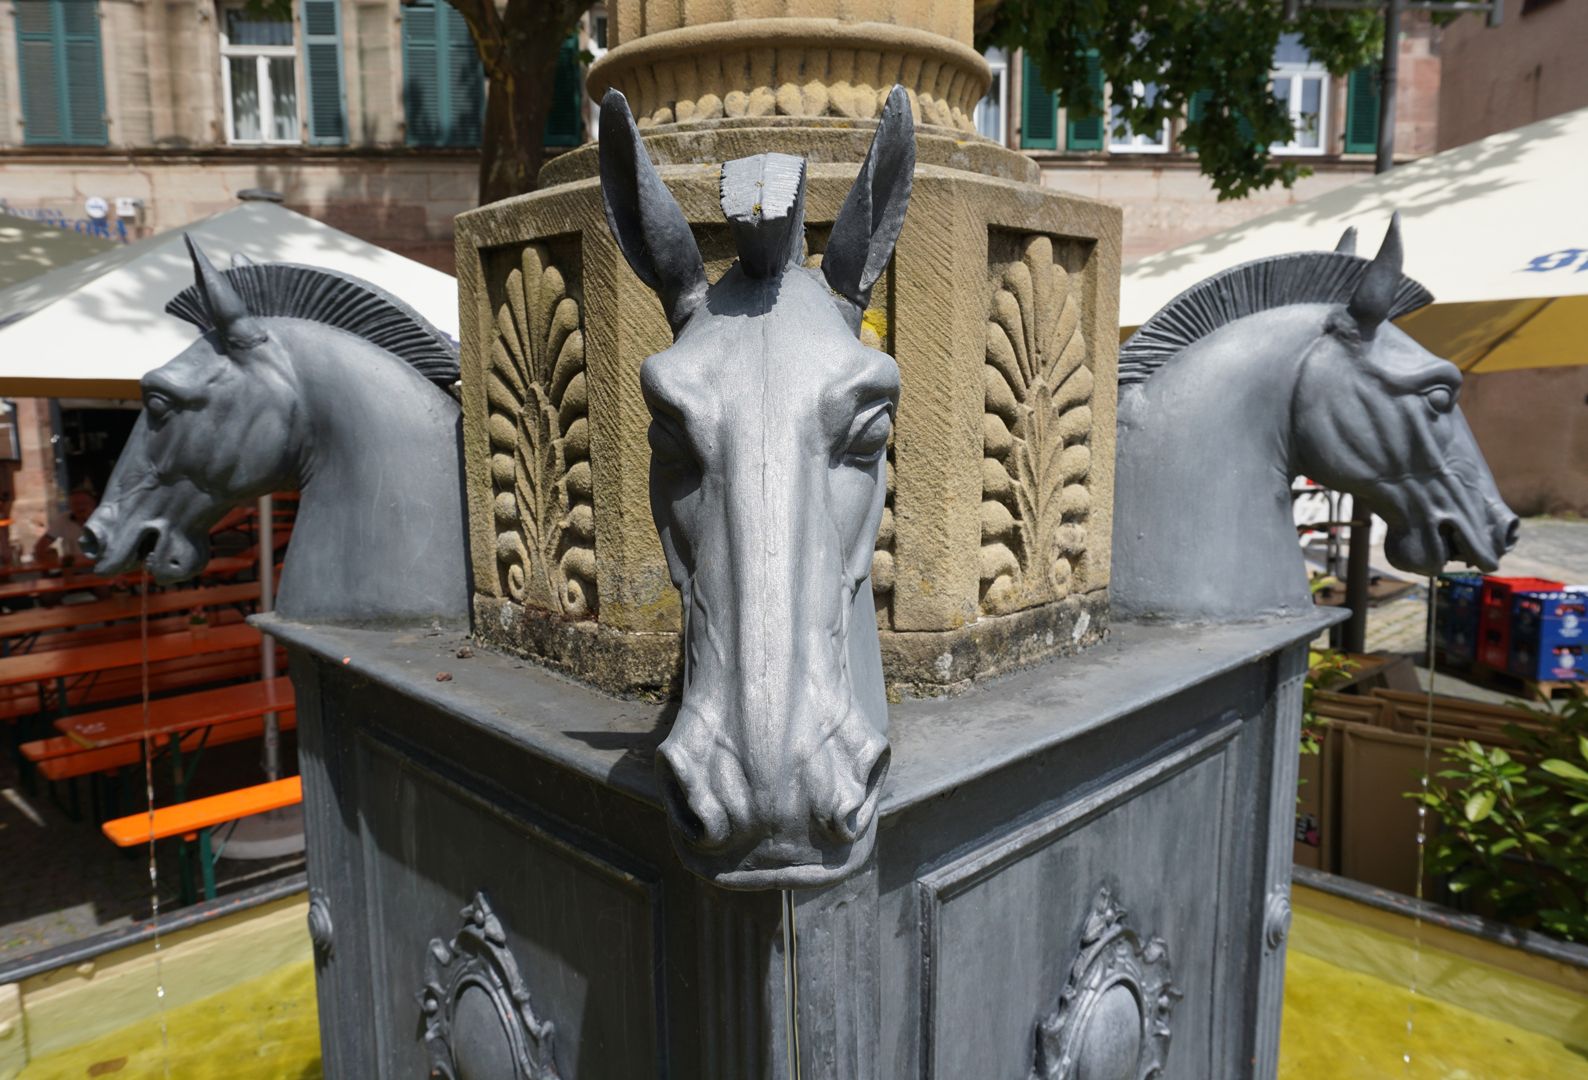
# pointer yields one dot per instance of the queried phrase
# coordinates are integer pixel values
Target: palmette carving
(540, 442)
(1036, 464)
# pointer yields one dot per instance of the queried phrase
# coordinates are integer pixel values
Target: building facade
(132, 117)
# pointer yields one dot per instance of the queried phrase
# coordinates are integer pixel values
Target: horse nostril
(91, 544)
(852, 816)
(1513, 532)
(696, 830)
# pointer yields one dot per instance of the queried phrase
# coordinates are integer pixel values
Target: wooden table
(178, 715)
(19, 624)
(68, 583)
(66, 663)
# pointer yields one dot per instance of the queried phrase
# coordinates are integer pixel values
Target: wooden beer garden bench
(21, 629)
(195, 821)
(109, 740)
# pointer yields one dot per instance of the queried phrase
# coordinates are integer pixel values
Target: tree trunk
(519, 46)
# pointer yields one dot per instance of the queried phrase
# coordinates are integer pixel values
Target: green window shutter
(1039, 111)
(421, 75)
(1199, 103)
(1361, 111)
(63, 87)
(1086, 133)
(464, 118)
(565, 126)
(322, 60)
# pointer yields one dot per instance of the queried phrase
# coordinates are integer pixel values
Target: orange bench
(195, 819)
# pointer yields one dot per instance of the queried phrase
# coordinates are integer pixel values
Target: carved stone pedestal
(1080, 870)
(1001, 309)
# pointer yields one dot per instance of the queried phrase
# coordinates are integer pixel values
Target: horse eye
(157, 405)
(871, 441)
(1442, 398)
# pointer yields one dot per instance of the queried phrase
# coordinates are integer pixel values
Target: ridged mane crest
(1308, 277)
(287, 290)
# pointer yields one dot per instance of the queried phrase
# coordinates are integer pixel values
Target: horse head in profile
(770, 423)
(307, 379)
(1279, 368)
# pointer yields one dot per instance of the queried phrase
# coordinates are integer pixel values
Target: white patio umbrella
(93, 328)
(1497, 230)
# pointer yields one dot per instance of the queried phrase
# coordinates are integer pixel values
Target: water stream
(148, 791)
(1422, 821)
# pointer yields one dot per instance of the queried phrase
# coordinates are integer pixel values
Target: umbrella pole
(267, 644)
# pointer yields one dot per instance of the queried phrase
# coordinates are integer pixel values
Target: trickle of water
(148, 791)
(791, 984)
(1422, 820)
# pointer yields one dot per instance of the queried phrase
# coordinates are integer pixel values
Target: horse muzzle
(809, 820)
(164, 551)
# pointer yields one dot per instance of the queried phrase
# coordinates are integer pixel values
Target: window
(259, 78)
(322, 79)
(1086, 132)
(597, 45)
(1123, 140)
(564, 121)
(443, 81)
(59, 62)
(1039, 112)
(991, 110)
(1361, 110)
(1302, 87)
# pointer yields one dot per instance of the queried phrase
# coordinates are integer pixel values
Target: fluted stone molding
(800, 67)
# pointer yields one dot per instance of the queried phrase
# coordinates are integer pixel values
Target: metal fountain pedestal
(1080, 866)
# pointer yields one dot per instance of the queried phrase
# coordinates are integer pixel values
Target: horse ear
(1375, 293)
(228, 313)
(645, 219)
(1347, 244)
(868, 225)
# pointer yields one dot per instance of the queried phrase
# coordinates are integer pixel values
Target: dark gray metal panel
(1002, 925)
(583, 930)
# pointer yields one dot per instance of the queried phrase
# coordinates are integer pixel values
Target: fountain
(792, 735)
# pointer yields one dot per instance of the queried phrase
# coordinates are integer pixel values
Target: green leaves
(1220, 51)
(1510, 836)
(1479, 806)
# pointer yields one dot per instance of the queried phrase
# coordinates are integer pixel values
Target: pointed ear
(1375, 294)
(873, 213)
(1347, 244)
(229, 315)
(645, 219)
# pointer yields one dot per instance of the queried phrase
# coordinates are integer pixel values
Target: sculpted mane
(1309, 277)
(287, 290)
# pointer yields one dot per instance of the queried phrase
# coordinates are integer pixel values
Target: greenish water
(1339, 1025)
(262, 1029)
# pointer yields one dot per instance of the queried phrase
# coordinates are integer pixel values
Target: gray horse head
(1287, 367)
(770, 423)
(1376, 416)
(298, 381)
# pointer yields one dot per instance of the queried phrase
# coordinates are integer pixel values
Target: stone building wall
(1528, 68)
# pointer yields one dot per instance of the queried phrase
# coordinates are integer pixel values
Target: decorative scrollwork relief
(1112, 1018)
(540, 442)
(477, 1013)
(1036, 458)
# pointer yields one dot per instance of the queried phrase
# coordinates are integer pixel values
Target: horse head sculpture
(770, 423)
(308, 379)
(1275, 369)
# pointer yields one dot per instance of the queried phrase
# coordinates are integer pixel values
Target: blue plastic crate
(1458, 610)
(1549, 636)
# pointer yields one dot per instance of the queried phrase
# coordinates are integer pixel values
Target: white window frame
(1296, 75)
(1137, 89)
(262, 55)
(998, 61)
(592, 108)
